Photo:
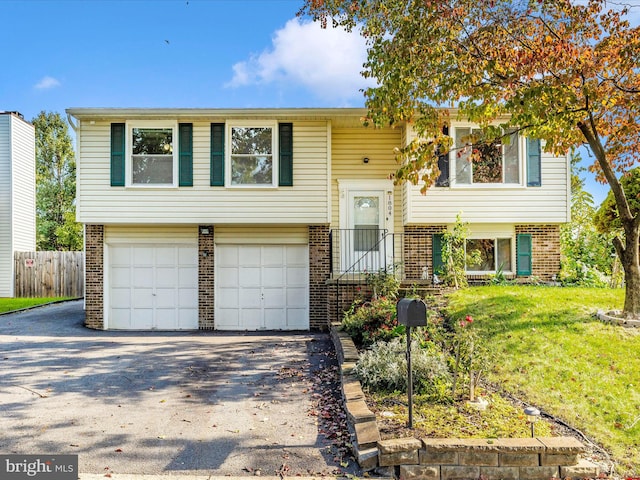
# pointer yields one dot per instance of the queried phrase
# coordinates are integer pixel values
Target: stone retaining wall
(451, 458)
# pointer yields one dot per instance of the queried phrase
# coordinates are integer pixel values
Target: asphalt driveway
(158, 402)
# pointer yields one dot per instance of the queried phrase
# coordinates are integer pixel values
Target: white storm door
(364, 241)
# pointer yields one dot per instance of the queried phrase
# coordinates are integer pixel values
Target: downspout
(74, 126)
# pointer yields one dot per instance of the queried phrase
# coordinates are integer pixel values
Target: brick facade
(206, 277)
(545, 250)
(418, 250)
(94, 279)
(323, 295)
(319, 271)
(340, 297)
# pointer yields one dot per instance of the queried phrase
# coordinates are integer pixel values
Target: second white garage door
(262, 287)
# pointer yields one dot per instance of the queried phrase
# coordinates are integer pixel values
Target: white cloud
(46, 83)
(326, 61)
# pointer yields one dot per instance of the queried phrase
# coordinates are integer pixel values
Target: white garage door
(262, 287)
(153, 287)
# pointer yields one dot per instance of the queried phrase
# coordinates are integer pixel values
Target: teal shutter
(217, 154)
(285, 142)
(185, 159)
(118, 142)
(523, 254)
(438, 264)
(534, 156)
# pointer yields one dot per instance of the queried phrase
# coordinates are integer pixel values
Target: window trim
(495, 246)
(275, 156)
(453, 159)
(130, 125)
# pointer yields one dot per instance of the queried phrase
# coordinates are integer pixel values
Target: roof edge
(214, 112)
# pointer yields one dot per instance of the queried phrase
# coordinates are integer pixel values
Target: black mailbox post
(411, 313)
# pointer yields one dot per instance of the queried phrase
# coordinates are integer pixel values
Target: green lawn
(550, 350)
(9, 304)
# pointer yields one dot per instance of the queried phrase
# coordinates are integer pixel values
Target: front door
(363, 242)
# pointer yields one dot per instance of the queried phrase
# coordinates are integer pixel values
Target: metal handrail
(374, 250)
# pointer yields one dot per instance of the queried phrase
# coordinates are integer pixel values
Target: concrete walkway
(157, 403)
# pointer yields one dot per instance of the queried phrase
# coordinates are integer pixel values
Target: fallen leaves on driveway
(328, 408)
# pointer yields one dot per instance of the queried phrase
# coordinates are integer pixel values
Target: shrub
(384, 367)
(383, 283)
(577, 273)
(372, 321)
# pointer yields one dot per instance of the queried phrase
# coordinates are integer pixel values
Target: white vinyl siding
(17, 195)
(266, 235)
(24, 187)
(141, 234)
(549, 203)
(304, 203)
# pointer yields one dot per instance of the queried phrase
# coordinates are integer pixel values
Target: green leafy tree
(587, 254)
(563, 71)
(607, 219)
(55, 185)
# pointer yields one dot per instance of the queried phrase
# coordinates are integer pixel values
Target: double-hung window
(252, 155)
(488, 255)
(152, 156)
(477, 161)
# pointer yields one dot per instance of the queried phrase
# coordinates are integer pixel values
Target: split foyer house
(17, 194)
(250, 219)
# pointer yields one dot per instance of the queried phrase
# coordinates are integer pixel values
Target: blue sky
(173, 53)
(176, 53)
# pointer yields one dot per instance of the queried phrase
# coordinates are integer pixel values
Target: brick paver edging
(451, 458)
(616, 319)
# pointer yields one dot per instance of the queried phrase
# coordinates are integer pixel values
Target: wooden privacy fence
(49, 274)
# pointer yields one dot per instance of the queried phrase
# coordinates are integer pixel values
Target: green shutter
(438, 264)
(534, 156)
(118, 142)
(285, 142)
(217, 154)
(185, 159)
(523, 254)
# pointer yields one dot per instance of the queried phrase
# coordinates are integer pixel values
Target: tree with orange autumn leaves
(563, 71)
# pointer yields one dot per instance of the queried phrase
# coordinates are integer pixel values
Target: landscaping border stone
(612, 317)
(451, 458)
